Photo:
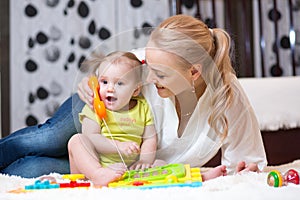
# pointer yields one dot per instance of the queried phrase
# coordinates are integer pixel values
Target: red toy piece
(74, 184)
(73, 181)
(292, 176)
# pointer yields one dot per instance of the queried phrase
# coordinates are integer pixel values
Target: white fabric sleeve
(244, 141)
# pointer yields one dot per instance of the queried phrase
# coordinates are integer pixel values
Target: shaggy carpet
(239, 186)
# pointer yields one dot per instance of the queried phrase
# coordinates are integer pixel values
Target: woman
(198, 104)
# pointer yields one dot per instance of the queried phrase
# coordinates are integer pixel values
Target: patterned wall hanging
(280, 41)
(50, 38)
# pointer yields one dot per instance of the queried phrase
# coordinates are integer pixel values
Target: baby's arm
(92, 131)
(148, 149)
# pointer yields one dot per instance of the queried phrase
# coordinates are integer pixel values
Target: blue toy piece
(41, 185)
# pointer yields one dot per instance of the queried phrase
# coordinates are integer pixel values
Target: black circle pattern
(136, 3)
(281, 41)
(30, 11)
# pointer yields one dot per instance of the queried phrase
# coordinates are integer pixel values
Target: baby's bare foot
(103, 176)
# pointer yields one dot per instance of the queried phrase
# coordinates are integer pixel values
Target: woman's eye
(157, 73)
(160, 76)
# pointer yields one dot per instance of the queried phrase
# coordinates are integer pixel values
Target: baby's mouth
(111, 99)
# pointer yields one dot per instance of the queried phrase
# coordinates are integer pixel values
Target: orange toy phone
(99, 106)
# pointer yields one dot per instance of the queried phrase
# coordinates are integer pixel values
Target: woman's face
(167, 73)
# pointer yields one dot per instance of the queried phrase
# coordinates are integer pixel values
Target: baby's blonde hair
(192, 41)
(116, 57)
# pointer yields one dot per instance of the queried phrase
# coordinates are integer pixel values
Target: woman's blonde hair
(192, 41)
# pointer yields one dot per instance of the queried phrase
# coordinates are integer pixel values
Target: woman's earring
(193, 86)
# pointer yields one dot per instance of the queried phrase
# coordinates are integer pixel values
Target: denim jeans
(42, 149)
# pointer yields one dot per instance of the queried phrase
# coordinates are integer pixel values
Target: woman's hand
(243, 167)
(85, 92)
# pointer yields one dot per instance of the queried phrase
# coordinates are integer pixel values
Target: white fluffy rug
(240, 186)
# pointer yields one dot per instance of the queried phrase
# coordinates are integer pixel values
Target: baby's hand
(140, 165)
(128, 148)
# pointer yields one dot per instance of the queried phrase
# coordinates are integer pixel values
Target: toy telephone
(99, 106)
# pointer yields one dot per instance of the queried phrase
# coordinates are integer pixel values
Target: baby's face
(117, 85)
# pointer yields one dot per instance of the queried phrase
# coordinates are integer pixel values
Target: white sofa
(276, 101)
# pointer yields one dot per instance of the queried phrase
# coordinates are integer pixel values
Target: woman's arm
(243, 148)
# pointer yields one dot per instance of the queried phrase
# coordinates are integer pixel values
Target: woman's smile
(159, 86)
(163, 91)
(160, 89)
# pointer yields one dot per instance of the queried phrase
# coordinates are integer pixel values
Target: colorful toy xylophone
(172, 175)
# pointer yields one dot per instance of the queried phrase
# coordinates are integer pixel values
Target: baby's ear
(137, 91)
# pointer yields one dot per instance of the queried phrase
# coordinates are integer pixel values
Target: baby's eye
(120, 83)
(103, 81)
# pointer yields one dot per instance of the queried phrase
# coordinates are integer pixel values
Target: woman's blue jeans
(42, 149)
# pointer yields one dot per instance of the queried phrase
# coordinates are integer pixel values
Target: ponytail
(220, 82)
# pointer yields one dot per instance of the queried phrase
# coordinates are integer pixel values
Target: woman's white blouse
(199, 142)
